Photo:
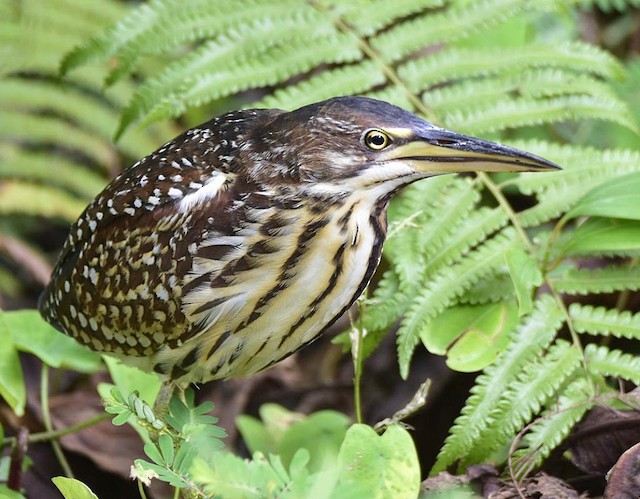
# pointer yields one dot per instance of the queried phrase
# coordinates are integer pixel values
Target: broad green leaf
(72, 488)
(277, 420)
(32, 334)
(129, 379)
(525, 275)
(7, 493)
(605, 235)
(385, 465)
(471, 336)
(255, 435)
(617, 198)
(12, 387)
(321, 433)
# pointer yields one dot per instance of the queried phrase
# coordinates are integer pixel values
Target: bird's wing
(129, 258)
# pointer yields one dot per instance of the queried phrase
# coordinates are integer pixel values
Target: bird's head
(359, 143)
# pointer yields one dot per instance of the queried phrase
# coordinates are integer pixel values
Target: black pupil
(377, 139)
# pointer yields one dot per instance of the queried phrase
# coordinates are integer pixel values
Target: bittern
(246, 237)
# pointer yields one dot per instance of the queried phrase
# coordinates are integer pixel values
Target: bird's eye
(376, 140)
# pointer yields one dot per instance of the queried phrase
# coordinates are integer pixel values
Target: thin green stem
(358, 360)
(46, 417)
(45, 436)
(143, 495)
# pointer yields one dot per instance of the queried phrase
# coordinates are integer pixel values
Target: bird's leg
(163, 398)
(166, 393)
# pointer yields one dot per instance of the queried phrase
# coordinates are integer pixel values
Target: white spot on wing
(208, 191)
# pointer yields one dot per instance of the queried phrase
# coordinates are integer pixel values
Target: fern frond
(603, 280)
(410, 250)
(462, 19)
(554, 425)
(43, 201)
(513, 113)
(583, 167)
(457, 63)
(600, 320)
(447, 285)
(536, 383)
(350, 79)
(31, 129)
(532, 83)
(71, 104)
(382, 13)
(383, 307)
(498, 287)
(180, 23)
(475, 228)
(214, 71)
(610, 5)
(38, 166)
(535, 334)
(614, 363)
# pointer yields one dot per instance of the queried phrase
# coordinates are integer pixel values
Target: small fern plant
(488, 271)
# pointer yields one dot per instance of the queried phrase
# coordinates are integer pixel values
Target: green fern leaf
(600, 320)
(37, 167)
(43, 201)
(498, 287)
(368, 16)
(351, 79)
(534, 83)
(455, 63)
(614, 363)
(610, 5)
(535, 384)
(460, 20)
(447, 285)
(526, 111)
(532, 337)
(141, 25)
(214, 72)
(382, 311)
(603, 280)
(554, 425)
(410, 249)
(582, 168)
(32, 129)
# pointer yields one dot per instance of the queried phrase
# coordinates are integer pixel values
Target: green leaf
(605, 236)
(72, 488)
(385, 465)
(601, 280)
(321, 433)
(255, 435)
(526, 276)
(32, 334)
(12, 387)
(43, 201)
(7, 493)
(471, 336)
(129, 379)
(600, 320)
(617, 198)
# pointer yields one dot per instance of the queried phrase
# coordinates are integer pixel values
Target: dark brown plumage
(244, 238)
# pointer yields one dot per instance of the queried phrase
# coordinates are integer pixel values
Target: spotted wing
(129, 258)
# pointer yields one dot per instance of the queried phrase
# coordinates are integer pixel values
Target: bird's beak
(435, 150)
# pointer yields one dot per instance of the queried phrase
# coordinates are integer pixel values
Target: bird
(243, 239)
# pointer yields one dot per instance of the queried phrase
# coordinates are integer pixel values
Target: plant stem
(55, 434)
(357, 340)
(46, 417)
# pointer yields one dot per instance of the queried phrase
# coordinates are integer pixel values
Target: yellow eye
(376, 140)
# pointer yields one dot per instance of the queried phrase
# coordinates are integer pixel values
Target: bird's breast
(296, 272)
